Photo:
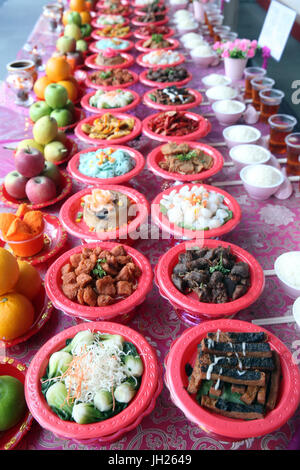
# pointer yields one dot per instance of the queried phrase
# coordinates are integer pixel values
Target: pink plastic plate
(91, 84)
(137, 34)
(138, 11)
(85, 103)
(139, 165)
(156, 156)
(190, 303)
(93, 46)
(10, 439)
(145, 81)
(141, 63)
(69, 210)
(204, 127)
(66, 188)
(97, 36)
(122, 140)
(119, 309)
(43, 309)
(135, 21)
(163, 107)
(70, 430)
(128, 62)
(173, 45)
(184, 351)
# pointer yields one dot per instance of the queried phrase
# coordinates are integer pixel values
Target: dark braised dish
(236, 374)
(111, 77)
(172, 96)
(150, 18)
(168, 74)
(213, 274)
(153, 8)
(150, 29)
(181, 158)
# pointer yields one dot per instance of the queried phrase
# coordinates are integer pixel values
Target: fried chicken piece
(70, 290)
(83, 279)
(124, 288)
(66, 269)
(80, 295)
(69, 278)
(86, 265)
(104, 300)
(75, 259)
(105, 286)
(90, 296)
(118, 251)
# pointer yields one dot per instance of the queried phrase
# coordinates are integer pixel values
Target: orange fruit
(57, 69)
(29, 282)
(77, 5)
(8, 265)
(85, 17)
(40, 86)
(16, 315)
(71, 89)
(65, 17)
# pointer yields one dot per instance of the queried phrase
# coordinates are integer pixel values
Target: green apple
(73, 31)
(52, 172)
(81, 45)
(38, 110)
(74, 18)
(55, 152)
(56, 96)
(12, 402)
(70, 106)
(30, 143)
(65, 44)
(45, 130)
(63, 116)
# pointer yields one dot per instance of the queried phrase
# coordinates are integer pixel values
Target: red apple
(40, 189)
(29, 162)
(15, 184)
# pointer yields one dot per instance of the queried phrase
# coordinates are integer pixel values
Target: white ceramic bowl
(204, 61)
(226, 80)
(231, 142)
(213, 93)
(296, 310)
(257, 192)
(228, 118)
(236, 151)
(289, 289)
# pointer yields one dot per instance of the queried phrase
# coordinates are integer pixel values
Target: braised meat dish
(181, 158)
(172, 96)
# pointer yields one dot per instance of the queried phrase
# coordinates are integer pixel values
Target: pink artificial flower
(217, 45)
(225, 54)
(251, 52)
(254, 44)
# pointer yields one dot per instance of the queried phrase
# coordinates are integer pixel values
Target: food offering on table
(117, 44)
(148, 30)
(119, 99)
(97, 277)
(165, 76)
(160, 58)
(241, 134)
(109, 58)
(195, 208)
(12, 402)
(115, 9)
(77, 24)
(215, 79)
(105, 163)
(221, 92)
(149, 18)
(261, 181)
(112, 78)
(175, 125)
(18, 292)
(110, 20)
(113, 31)
(192, 40)
(236, 374)
(117, 128)
(156, 41)
(172, 97)
(228, 112)
(183, 159)
(287, 269)
(213, 275)
(154, 7)
(204, 55)
(185, 21)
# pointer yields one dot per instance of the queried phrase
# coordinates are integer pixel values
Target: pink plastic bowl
(178, 107)
(93, 46)
(121, 311)
(138, 35)
(97, 25)
(184, 350)
(97, 37)
(173, 45)
(231, 143)
(163, 222)
(85, 103)
(228, 119)
(205, 61)
(151, 83)
(139, 165)
(156, 156)
(190, 303)
(90, 62)
(90, 84)
(260, 193)
(141, 63)
(289, 289)
(112, 428)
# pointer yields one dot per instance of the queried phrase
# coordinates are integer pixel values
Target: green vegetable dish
(93, 378)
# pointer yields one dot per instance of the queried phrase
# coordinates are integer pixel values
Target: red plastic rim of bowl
(184, 350)
(70, 208)
(141, 63)
(97, 37)
(145, 81)
(93, 46)
(128, 62)
(204, 127)
(164, 107)
(135, 21)
(164, 224)
(155, 156)
(139, 165)
(11, 438)
(138, 35)
(50, 421)
(95, 24)
(135, 79)
(85, 103)
(14, 203)
(167, 262)
(122, 140)
(174, 45)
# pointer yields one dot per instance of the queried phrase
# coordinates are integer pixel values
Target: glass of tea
(218, 30)
(213, 21)
(281, 125)
(228, 36)
(293, 153)
(258, 84)
(270, 100)
(250, 73)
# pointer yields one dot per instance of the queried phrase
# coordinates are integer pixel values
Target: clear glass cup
(281, 125)
(220, 30)
(293, 153)
(250, 73)
(270, 100)
(258, 84)
(231, 36)
(215, 21)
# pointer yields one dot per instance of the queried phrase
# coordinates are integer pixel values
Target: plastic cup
(258, 84)
(280, 126)
(293, 153)
(270, 100)
(250, 73)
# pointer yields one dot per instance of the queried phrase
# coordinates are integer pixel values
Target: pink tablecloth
(267, 229)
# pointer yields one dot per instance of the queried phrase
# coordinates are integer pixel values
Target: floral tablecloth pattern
(267, 229)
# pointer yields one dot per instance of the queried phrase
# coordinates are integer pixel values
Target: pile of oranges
(58, 70)
(17, 291)
(81, 6)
